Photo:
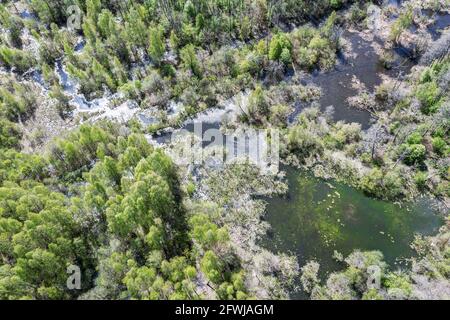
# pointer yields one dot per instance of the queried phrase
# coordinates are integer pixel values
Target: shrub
(403, 22)
(382, 185)
(279, 115)
(304, 143)
(21, 60)
(9, 134)
(415, 138)
(278, 44)
(382, 92)
(387, 59)
(440, 146)
(421, 180)
(258, 105)
(357, 14)
(286, 57)
(428, 95)
(414, 154)
(335, 4)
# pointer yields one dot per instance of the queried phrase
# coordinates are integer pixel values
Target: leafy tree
(157, 47)
(15, 58)
(278, 44)
(212, 267)
(9, 134)
(414, 153)
(440, 146)
(428, 94)
(190, 60)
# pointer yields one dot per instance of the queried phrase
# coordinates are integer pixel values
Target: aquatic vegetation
(91, 90)
(365, 268)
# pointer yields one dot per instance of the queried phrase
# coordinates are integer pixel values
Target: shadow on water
(27, 15)
(441, 22)
(189, 126)
(337, 84)
(318, 217)
(394, 3)
(364, 65)
(80, 46)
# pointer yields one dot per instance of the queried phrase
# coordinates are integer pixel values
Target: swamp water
(317, 217)
(362, 65)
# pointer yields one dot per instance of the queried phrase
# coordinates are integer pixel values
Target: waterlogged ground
(318, 217)
(337, 85)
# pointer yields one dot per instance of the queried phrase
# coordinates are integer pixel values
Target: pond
(318, 217)
(364, 65)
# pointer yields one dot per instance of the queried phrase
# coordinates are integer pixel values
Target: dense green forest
(124, 224)
(78, 188)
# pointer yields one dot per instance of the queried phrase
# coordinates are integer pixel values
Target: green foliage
(123, 223)
(174, 40)
(401, 24)
(357, 14)
(212, 267)
(171, 280)
(9, 134)
(205, 232)
(335, 4)
(157, 47)
(400, 283)
(315, 48)
(106, 200)
(12, 24)
(279, 44)
(440, 146)
(16, 101)
(258, 106)
(190, 60)
(428, 95)
(421, 179)
(77, 152)
(384, 185)
(279, 115)
(55, 11)
(303, 143)
(352, 282)
(40, 241)
(429, 266)
(414, 153)
(16, 58)
(62, 105)
(18, 167)
(345, 134)
(415, 138)
(235, 289)
(285, 57)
